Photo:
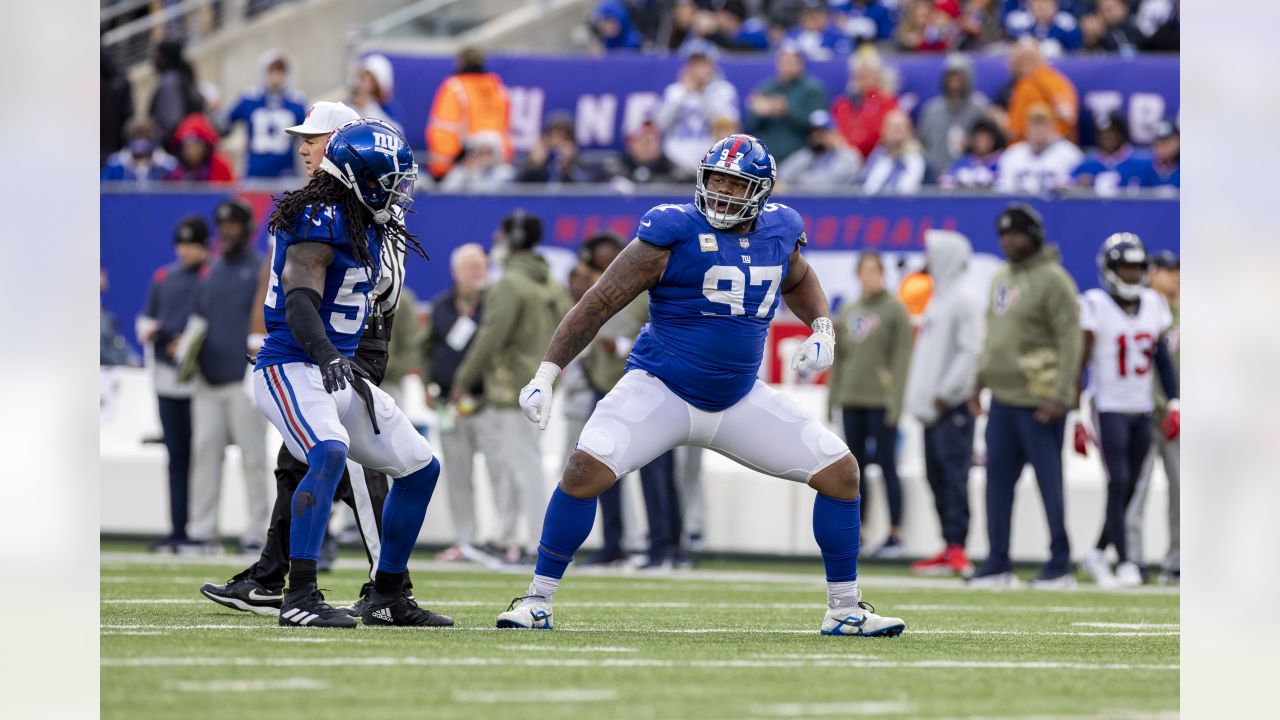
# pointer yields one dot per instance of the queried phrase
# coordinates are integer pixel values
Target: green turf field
(731, 642)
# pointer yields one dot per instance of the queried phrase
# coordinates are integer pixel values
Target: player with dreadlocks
(328, 247)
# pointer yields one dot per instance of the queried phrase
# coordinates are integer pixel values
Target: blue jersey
(265, 116)
(709, 314)
(1111, 172)
(347, 285)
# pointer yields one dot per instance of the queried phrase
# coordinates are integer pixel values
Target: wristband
(823, 325)
(547, 372)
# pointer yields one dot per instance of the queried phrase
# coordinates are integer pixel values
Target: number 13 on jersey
(735, 295)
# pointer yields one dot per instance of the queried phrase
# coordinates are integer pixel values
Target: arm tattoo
(636, 269)
(305, 265)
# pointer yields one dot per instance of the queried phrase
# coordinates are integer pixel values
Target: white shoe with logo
(860, 620)
(531, 616)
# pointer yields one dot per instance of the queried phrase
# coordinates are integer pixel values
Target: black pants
(662, 507)
(948, 455)
(863, 423)
(175, 424)
(1125, 439)
(273, 564)
(1015, 438)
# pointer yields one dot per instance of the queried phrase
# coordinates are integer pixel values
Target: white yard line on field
(1129, 626)
(544, 662)
(535, 696)
(230, 686)
(574, 649)
(836, 709)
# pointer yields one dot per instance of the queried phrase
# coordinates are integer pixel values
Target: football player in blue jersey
(715, 270)
(327, 259)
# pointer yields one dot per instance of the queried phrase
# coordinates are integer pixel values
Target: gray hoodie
(945, 122)
(945, 360)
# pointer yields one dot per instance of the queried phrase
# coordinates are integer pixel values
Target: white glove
(535, 398)
(818, 350)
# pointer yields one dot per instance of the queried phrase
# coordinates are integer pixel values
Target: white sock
(843, 594)
(542, 589)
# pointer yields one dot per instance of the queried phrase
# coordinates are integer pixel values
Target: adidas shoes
(305, 607)
(860, 620)
(246, 595)
(533, 616)
(1128, 574)
(1095, 565)
(399, 609)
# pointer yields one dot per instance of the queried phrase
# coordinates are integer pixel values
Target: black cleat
(246, 595)
(356, 609)
(400, 609)
(305, 607)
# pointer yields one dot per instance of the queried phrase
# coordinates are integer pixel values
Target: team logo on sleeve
(861, 326)
(1004, 297)
(707, 242)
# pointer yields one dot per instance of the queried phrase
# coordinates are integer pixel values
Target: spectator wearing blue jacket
(816, 35)
(1161, 169)
(1057, 30)
(142, 160)
(1114, 164)
(864, 20)
(613, 28)
(266, 111)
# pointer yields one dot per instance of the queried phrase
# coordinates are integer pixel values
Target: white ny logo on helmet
(386, 143)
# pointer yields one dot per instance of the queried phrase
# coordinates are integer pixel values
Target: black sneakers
(305, 607)
(244, 594)
(399, 609)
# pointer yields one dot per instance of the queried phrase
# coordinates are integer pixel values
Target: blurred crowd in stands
(1021, 141)
(825, 28)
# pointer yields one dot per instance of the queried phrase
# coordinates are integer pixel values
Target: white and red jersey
(1124, 347)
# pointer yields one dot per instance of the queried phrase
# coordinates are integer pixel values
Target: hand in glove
(535, 398)
(818, 350)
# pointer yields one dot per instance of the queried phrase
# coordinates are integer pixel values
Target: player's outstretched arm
(636, 269)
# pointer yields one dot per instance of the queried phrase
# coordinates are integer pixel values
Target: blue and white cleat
(860, 620)
(526, 616)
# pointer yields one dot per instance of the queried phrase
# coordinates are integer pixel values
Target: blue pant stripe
(298, 408)
(283, 415)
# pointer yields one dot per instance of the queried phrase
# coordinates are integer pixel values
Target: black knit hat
(192, 229)
(1020, 217)
(233, 211)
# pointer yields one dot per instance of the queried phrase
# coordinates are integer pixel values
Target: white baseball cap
(323, 118)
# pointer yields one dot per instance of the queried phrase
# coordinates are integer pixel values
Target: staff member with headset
(1030, 360)
(522, 310)
(259, 588)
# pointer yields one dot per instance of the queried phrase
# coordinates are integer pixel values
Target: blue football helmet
(1117, 251)
(373, 160)
(740, 156)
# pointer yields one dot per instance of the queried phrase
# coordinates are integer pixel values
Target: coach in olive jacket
(521, 311)
(1029, 363)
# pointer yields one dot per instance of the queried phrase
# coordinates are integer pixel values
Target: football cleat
(860, 620)
(1128, 574)
(1095, 565)
(533, 616)
(246, 595)
(400, 610)
(936, 565)
(305, 607)
(995, 581)
(356, 609)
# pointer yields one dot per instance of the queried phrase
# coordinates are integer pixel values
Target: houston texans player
(715, 269)
(1124, 325)
(327, 259)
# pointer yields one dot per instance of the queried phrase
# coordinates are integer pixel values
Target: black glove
(337, 373)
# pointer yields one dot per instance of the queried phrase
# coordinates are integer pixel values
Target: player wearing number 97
(715, 270)
(1124, 324)
(328, 243)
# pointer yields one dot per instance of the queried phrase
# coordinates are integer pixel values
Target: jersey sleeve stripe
(294, 398)
(289, 423)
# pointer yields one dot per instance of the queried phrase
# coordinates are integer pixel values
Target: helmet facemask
(1118, 287)
(378, 195)
(737, 210)
(1119, 251)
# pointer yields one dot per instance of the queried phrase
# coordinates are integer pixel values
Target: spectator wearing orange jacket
(470, 101)
(1036, 82)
